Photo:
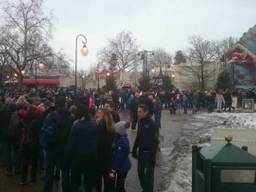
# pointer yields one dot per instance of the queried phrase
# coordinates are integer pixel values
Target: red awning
(41, 81)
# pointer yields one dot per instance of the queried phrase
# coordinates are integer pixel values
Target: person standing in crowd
(134, 109)
(30, 148)
(54, 143)
(91, 102)
(121, 162)
(147, 143)
(65, 164)
(179, 100)
(157, 108)
(108, 98)
(115, 115)
(107, 133)
(195, 102)
(228, 101)
(184, 102)
(149, 101)
(14, 136)
(5, 116)
(167, 96)
(82, 150)
(210, 101)
(129, 100)
(172, 104)
(219, 100)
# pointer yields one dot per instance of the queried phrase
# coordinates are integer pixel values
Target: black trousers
(146, 166)
(134, 118)
(85, 167)
(108, 183)
(29, 156)
(13, 158)
(120, 181)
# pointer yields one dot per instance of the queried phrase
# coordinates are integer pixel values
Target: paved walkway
(170, 131)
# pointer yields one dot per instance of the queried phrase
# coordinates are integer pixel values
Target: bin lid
(227, 154)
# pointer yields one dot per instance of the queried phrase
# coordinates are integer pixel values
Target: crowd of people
(62, 134)
(81, 137)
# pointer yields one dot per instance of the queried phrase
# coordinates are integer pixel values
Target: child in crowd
(121, 162)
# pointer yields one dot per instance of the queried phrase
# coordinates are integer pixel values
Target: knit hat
(121, 127)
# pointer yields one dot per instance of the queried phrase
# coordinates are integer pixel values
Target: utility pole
(144, 56)
(98, 76)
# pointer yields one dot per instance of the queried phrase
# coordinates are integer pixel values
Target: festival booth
(242, 61)
(242, 67)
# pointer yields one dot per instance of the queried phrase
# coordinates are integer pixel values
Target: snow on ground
(233, 120)
(197, 130)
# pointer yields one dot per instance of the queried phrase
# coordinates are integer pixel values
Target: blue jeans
(157, 116)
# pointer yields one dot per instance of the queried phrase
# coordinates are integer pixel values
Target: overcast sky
(154, 23)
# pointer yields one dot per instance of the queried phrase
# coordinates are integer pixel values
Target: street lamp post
(98, 78)
(84, 52)
(83, 83)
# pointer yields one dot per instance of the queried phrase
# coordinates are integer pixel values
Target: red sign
(41, 81)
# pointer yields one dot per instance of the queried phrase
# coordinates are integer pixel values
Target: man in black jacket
(82, 150)
(60, 120)
(147, 142)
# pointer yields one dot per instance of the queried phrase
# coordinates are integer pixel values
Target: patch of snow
(198, 131)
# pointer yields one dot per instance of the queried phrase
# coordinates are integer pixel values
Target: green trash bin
(223, 168)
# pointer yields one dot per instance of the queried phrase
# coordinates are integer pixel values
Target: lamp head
(41, 65)
(84, 49)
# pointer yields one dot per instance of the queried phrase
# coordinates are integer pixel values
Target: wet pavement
(170, 131)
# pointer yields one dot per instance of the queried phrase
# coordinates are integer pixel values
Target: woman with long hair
(106, 126)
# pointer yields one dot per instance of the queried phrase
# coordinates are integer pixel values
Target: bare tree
(201, 59)
(221, 48)
(25, 34)
(125, 47)
(161, 59)
(3, 65)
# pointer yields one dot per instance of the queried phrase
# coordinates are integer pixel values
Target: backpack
(48, 130)
(54, 130)
(130, 99)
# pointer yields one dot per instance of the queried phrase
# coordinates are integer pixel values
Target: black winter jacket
(147, 136)
(83, 140)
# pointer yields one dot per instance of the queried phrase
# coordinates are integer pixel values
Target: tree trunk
(20, 78)
(2, 76)
(202, 76)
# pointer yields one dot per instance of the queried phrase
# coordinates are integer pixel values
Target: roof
(227, 154)
(248, 40)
